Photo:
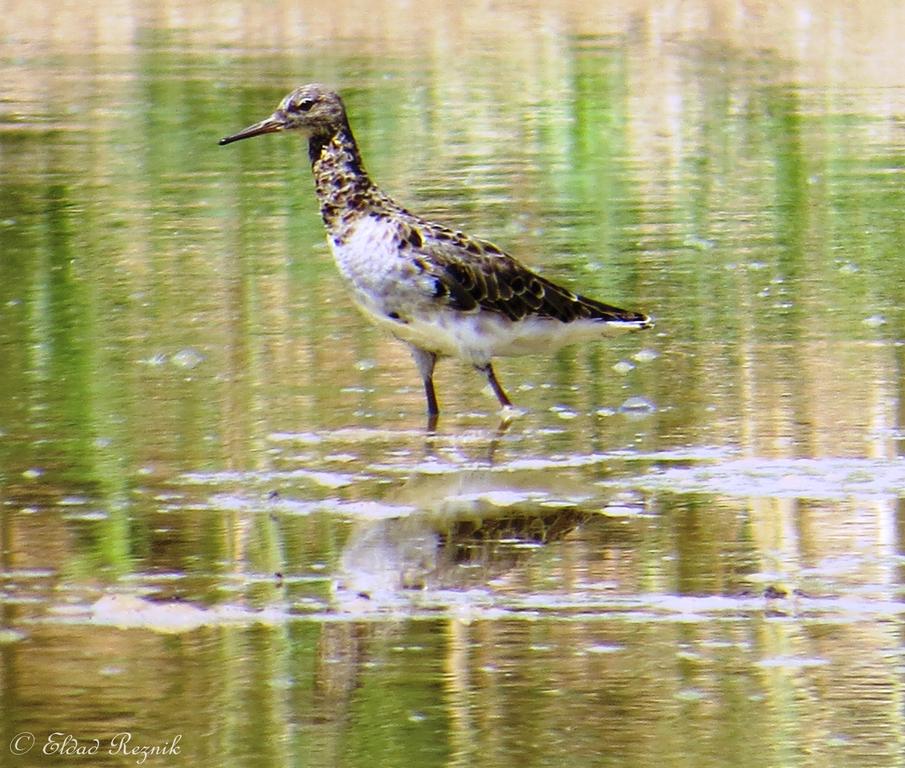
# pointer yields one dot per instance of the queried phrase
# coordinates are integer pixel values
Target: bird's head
(310, 109)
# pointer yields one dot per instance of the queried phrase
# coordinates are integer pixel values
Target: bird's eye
(305, 105)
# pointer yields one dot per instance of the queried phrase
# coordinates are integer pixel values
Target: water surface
(222, 517)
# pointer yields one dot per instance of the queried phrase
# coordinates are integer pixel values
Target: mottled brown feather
(476, 275)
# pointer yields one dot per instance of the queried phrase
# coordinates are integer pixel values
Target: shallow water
(225, 530)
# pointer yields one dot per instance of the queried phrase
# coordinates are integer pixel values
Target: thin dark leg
(487, 370)
(426, 361)
(432, 408)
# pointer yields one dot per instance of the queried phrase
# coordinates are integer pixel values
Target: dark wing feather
(472, 275)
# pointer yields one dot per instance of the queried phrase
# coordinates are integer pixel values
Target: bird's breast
(382, 277)
(367, 252)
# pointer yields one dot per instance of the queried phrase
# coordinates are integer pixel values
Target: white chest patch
(380, 277)
(369, 255)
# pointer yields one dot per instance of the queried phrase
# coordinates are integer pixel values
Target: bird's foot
(510, 412)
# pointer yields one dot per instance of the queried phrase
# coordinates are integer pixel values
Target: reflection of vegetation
(167, 303)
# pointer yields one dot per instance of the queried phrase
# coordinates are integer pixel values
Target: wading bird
(442, 292)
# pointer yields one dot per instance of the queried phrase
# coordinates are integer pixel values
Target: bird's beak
(276, 122)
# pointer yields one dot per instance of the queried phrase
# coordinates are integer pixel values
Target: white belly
(478, 337)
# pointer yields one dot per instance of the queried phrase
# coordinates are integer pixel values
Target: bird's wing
(470, 275)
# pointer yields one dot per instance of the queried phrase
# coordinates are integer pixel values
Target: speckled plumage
(439, 290)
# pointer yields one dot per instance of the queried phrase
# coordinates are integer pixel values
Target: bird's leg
(487, 370)
(426, 361)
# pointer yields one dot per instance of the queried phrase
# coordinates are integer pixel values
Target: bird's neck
(343, 187)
